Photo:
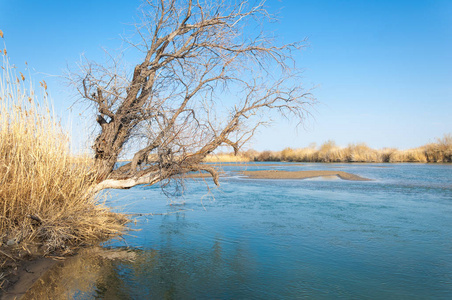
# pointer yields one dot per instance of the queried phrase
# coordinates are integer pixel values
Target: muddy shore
(23, 274)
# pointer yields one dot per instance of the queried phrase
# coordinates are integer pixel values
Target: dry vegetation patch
(437, 152)
(45, 203)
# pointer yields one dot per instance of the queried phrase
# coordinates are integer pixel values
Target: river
(322, 238)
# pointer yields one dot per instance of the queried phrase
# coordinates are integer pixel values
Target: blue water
(390, 238)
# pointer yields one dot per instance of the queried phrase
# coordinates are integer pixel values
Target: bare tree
(208, 77)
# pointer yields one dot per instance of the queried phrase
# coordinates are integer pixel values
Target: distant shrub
(411, 155)
(385, 154)
(362, 153)
(268, 156)
(441, 151)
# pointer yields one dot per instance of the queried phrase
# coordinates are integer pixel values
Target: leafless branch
(206, 80)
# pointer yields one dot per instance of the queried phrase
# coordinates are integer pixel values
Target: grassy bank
(437, 152)
(45, 205)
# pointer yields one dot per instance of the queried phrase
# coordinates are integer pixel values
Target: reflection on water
(283, 239)
(105, 274)
(92, 272)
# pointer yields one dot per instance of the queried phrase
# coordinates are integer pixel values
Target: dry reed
(221, 157)
(44, 196)
(329, 152)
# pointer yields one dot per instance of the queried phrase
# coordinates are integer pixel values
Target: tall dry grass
(226, 157)
(441, 151)
(44, 190)
(437, 152)
(244, 156)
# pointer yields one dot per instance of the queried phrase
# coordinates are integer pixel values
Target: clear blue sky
(383, 69)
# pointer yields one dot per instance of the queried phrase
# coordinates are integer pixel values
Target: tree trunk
(108, 146)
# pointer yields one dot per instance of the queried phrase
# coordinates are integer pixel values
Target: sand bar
(274, 174)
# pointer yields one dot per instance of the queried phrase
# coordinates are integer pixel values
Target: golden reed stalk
(43, 188)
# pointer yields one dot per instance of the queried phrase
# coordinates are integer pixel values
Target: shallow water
(390, 238)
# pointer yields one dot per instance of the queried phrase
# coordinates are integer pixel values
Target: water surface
(390, 238)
